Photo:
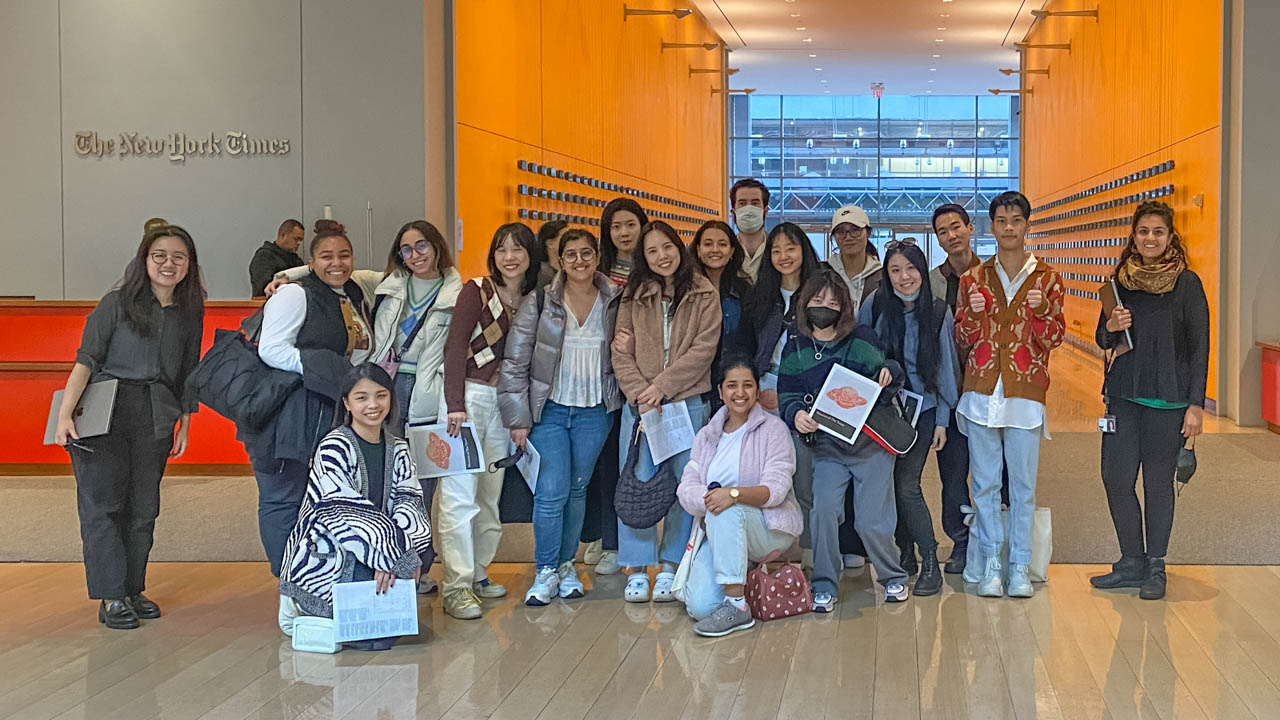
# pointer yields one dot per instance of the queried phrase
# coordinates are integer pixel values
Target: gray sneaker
(724, 620)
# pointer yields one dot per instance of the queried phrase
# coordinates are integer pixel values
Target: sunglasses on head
(900, 243)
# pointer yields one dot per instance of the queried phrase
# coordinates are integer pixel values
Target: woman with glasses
(473, 352)
(145, 335)
(918, 332)
(413, 299)
(557, 392)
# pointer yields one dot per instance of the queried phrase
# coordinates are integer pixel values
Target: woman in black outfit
(145, 334)
(1155, 391)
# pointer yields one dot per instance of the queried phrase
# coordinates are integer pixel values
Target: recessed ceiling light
(818, 69)
(932, 81)
(933, 69)
(928, 92)
(807, 40)
(942, 28)
(824, 82)
(937, 55)
(801, 27)
(938, 40)
(795, 14)
(812, 55)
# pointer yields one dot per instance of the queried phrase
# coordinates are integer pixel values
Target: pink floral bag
(782, 593)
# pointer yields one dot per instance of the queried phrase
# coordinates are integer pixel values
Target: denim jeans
(568, 439)
(638, 548)
(990, 451)
(734, 537)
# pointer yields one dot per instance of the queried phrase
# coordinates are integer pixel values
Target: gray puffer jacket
(532, 356)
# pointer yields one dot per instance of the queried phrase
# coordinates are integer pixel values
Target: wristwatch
(733, 493)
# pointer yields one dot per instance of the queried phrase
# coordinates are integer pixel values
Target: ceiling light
(818, 69)
(801, 27)
(823, 82)
(938, 40)
(809, 39)
(933, 69)
(795, 14)
(932, 81)
(928, 92)
(812, 55)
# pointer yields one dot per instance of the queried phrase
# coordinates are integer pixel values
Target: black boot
(930, 580)
(908, 561)
(1153, 584)
(144, 607)
(1129, 572)
(117, 615)
(955, 564)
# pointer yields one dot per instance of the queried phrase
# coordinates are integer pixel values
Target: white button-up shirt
(996, 410)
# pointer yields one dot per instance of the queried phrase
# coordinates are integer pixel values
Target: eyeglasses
(900, 243)
(161, 258)
(586, 255)
(848, 234)
(422, 246)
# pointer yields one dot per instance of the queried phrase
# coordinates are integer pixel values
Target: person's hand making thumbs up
(1035, 296)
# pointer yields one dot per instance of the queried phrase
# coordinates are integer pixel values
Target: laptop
(92, 415)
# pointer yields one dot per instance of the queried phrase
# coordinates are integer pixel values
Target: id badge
(1107, 424)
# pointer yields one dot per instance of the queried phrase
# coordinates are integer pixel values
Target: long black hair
(890, 311)
(641, 273)
(523, 236)
(767, 292)
(546, 234)
(608, 251)
(135, 286)
(365, 371)
(732, 281)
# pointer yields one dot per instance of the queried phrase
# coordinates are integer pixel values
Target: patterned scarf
(492, 326)
(1155, 278)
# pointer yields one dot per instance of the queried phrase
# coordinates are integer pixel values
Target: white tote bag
(1041, 545)
(686, 563)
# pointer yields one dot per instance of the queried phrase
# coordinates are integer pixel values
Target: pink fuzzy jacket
(768, 458)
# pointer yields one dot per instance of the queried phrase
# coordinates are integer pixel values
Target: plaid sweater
(1009, 340)
(801, 373)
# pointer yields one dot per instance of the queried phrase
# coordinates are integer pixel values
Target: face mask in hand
(822, 317)
(750, 218)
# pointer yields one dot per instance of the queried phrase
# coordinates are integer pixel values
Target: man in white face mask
(749, 203)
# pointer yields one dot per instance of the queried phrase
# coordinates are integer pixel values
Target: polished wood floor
(1211, 650)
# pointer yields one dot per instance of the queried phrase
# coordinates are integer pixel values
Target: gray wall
(1251, 292)
(343, 81)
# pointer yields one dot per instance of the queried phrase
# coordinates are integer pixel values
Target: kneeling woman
(828, 335)
(738, 483)
(363, 517)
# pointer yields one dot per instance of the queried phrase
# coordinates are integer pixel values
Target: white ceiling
(858, 42)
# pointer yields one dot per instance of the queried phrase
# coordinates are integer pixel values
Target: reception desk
(38, 341)
(1271, 385)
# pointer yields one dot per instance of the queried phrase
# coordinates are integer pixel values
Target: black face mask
(821, 317)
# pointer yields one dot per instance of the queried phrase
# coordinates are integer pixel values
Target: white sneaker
(288, 613)
(662, 587)
(992, 584)
(570, 585)
(1020, 582)
(637, 590)
(545, 586)
(824, 602)
(608, 563)
(895, 593)
(489, 589)
(853, 561)
(592, 554)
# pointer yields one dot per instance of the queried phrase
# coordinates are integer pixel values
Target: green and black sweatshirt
(801, 374)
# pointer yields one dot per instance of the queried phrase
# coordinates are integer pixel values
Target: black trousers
(915, 524)
(953, 470)
(282, 485)
(601, 521)
(1149, 439)
(118, 496)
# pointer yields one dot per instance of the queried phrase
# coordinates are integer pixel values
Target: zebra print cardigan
(340, 525)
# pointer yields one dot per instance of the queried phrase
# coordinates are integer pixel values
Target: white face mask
(908, 298)
(749, 218)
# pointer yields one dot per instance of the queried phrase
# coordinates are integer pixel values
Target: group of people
(569, 339)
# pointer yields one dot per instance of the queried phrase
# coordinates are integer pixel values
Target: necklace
(817, 352)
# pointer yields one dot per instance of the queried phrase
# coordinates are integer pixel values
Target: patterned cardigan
(340, 525)
(1009, 340)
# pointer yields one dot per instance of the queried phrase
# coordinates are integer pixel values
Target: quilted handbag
(233, 381)
(642, 504)
(782, 593)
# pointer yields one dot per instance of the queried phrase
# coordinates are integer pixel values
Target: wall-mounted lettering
(178, 146)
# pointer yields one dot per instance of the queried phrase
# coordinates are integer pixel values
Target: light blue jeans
(734, 537)
(569, 440)
(990, 449)
(640, 548)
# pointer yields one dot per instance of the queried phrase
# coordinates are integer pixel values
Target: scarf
(1155, 278)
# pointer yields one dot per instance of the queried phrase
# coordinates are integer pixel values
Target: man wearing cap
(857, 261)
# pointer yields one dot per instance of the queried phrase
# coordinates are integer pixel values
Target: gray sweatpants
(870, 468)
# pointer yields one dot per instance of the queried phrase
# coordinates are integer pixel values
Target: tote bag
(1041, 545)
(691, 548)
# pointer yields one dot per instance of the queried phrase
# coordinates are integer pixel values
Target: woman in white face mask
(917, 331)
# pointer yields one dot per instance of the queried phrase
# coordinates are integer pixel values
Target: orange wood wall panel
(1139, 87)
(610, 105)
(498, 47)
